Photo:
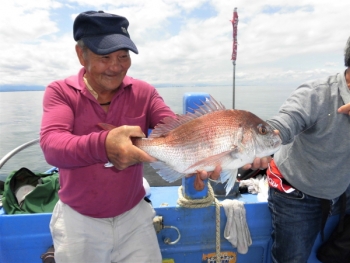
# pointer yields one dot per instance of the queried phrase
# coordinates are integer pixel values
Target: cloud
(183, 42)
(26, 22)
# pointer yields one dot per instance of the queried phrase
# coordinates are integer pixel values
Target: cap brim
(103, 45)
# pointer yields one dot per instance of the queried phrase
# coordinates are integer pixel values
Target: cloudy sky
(182, 41)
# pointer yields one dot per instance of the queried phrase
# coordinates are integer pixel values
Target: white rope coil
(205, 202)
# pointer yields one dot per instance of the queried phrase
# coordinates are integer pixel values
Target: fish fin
(219, 159)
(166, 172)
(106, 126)
(169, 123)
(231, 180)
(225, 175)
(229, 176)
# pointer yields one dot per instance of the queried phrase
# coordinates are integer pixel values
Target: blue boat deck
(23, 238)
(197, 228)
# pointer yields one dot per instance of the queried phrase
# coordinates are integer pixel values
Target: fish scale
(191, 141)
(211, 136)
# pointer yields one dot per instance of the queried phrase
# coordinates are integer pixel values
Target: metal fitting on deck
(159, 225)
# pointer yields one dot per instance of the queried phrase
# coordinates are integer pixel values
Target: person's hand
(345, 109)
(258, 163)
(120, 150)
(202, 175)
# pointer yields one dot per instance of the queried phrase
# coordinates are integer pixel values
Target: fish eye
(262, 129)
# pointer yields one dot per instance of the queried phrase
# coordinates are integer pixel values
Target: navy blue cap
(103, 33)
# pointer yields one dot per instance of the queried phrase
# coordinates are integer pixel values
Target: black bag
(337, 248)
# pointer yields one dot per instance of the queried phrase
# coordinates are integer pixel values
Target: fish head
(258, 137)
(267, 140)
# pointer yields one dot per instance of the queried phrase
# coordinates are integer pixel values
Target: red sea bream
(211, 136)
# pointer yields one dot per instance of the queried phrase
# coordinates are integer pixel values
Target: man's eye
(123, 57)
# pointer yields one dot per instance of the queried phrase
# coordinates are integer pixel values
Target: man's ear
(80, 54)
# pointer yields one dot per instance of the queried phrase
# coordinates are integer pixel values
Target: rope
(205, 202)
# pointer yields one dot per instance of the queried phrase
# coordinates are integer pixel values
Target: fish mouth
(274, 142)
(277, 143)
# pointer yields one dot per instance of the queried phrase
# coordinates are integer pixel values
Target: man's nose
(115, 63)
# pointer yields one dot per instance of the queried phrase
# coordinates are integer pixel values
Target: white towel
(258, 185)
(236, 229)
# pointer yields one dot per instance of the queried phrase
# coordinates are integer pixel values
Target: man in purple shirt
(101, 215)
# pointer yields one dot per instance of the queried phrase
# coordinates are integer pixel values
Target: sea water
(21, 111)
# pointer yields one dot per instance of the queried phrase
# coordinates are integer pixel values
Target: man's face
(104, 72)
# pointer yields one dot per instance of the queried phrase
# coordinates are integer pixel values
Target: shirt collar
(94, 93)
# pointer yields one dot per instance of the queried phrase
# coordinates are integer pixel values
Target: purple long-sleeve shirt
(72, 141)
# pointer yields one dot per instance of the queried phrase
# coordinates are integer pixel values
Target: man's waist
(277, 180)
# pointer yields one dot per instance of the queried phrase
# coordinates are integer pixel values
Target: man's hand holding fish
(258, 163)
(120, 150)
